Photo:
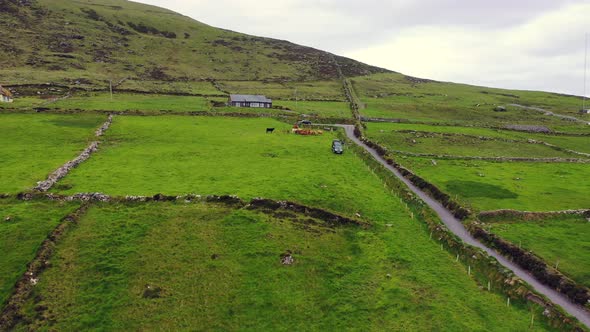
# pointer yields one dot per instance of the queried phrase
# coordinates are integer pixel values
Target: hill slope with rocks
(66, 41)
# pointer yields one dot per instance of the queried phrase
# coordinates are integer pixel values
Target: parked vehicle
(337, 146)
(304, 122)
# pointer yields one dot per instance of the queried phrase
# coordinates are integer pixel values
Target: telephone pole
(585, 70)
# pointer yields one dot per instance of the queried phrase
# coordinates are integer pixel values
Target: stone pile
(528, 128)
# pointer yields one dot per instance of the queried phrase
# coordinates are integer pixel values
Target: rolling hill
(88, 41)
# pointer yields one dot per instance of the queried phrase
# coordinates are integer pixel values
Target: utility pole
(585, 70)
(111, 88)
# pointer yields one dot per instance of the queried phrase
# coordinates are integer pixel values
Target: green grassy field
(397, 96)
(219, 269)
(529, 186)
(24, 102)
(34, 145)
(561, 241)
(205, 155)
(23, 227)
(131, 102)
(392, 276)
(457, 144)
(576, 143)
(326, 109)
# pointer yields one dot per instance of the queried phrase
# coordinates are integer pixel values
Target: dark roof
(250, 98)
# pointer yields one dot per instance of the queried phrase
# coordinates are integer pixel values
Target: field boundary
(464, 125)
(566, 288)
(258, 203)
(63, 170)
(529, 215)
(11, 312)
(23, 289)
(535, 265)
(284, 116)
(515, 159)
(431, 134)
(484, 268)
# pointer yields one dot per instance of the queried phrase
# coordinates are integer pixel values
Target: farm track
(549, 113)
(455, 226)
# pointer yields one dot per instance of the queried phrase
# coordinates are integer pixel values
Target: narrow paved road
(455, 226)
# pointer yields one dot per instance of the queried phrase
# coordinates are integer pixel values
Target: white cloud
(545, 53)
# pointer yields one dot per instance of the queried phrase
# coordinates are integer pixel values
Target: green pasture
(23, 227)
(398, 96)
(485, 185)
(561, 242)
(462, 145)
(216, 268)
(324, 109)
(571, 142)
(34, 145)
(102, 101)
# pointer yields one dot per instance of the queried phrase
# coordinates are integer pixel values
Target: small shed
(5, 95)
(249, 101)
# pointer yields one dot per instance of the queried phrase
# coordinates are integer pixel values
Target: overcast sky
(520, 44)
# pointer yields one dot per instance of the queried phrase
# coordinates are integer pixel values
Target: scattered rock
(287, 259)
(528, 128)
(547, 312)
(152, 292)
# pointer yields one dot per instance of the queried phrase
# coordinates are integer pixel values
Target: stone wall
(68, 166)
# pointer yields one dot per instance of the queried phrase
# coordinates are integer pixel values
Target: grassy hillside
(393, 95)
(90, 42)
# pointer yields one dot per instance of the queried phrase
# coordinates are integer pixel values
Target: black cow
(269, 130)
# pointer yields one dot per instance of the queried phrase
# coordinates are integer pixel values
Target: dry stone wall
(68, 166)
